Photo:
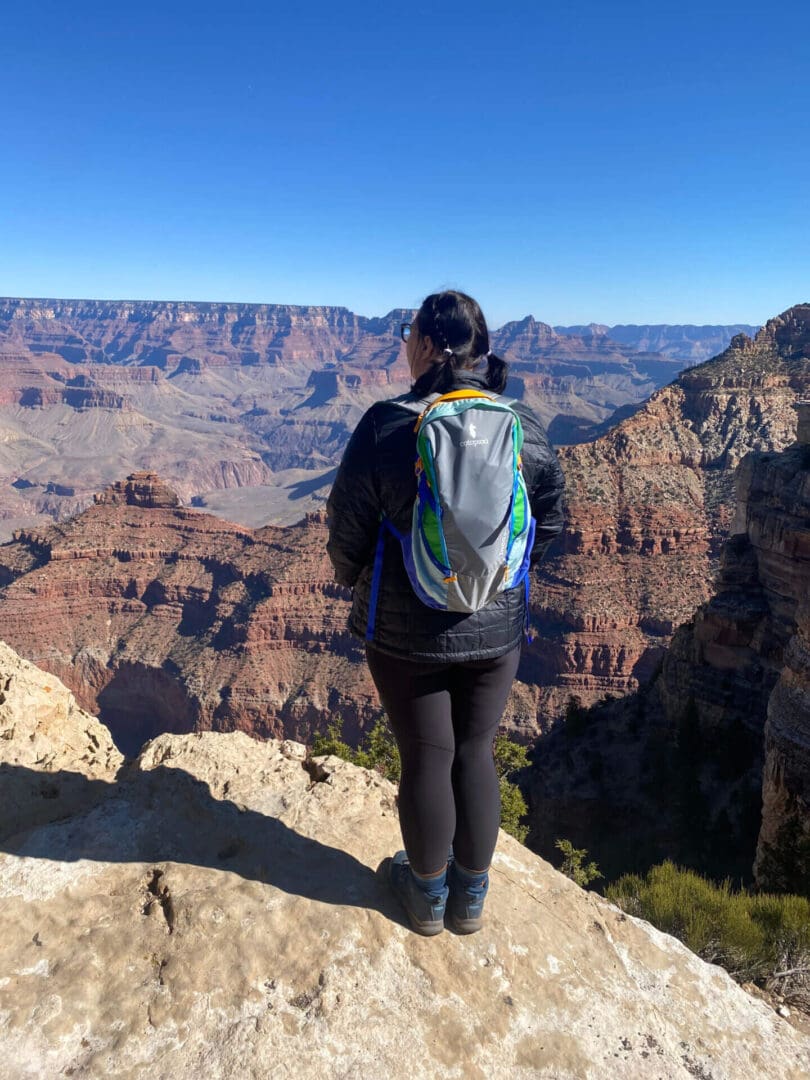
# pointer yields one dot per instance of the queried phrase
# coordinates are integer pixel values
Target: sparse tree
(572, 864)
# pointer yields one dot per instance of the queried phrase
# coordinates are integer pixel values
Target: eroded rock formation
(224, 895)
(781, 536)
(234, 396)
(690, 344)
(689, 768)
(650, 504)
(139, 489)
(162, 618)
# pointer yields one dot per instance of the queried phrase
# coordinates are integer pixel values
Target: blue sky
(580, 161)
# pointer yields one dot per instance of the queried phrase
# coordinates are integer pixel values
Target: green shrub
(377, 751)
(332, 743)
(513, 810)
(509, 756)
(763, 938)
(572, 864)
(381, 751)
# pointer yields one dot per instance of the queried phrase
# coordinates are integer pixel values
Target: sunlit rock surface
(213, 909)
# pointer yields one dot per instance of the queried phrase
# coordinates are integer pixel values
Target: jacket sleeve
(353, 507)
(545, 482)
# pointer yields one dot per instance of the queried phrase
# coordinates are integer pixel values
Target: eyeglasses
(405, 330)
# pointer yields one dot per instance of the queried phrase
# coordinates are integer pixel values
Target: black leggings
(444, 718)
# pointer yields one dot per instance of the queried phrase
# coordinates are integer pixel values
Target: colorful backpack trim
(472, 530)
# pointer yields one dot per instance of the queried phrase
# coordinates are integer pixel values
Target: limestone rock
(216, 912)
(53, 755)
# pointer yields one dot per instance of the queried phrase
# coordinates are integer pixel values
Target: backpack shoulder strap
(421, 406)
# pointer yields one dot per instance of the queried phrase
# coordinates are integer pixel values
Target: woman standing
(443, 677)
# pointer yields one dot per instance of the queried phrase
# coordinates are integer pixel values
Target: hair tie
(448, 352)
(488, 354)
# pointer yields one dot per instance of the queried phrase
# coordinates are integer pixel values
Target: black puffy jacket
(376, 476)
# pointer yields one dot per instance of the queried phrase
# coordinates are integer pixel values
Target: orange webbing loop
(454, 395)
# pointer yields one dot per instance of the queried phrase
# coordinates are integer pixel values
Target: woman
(443, 677)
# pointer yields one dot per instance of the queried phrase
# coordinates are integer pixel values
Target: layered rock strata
(710, 763)
(139, 489)
(689, 344)
(649, 506)
(783, 847)
(162, 618)
(225, 896)
(227, 396)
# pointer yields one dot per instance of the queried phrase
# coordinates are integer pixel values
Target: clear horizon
(364, 314)
(583, 163)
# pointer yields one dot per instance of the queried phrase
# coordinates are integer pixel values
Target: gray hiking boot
(424, 903)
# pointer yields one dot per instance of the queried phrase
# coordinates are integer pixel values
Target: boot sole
(465, 926)
(429, 929)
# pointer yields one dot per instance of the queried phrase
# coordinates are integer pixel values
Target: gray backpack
(472, 529)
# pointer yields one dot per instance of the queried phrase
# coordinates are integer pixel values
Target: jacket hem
(444, 657)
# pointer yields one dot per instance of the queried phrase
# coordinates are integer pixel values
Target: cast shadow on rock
(168, 815)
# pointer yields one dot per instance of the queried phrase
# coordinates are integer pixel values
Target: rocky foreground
(212, 909)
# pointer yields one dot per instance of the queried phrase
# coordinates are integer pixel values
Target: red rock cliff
(709, 764)
(216, 396)
(168, 619)
(650, 504)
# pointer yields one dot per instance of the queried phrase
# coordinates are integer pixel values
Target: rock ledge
(211, 910)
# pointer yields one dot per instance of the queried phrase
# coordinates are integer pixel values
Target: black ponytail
(455, 324)
(497, 373)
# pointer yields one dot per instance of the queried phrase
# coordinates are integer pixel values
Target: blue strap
(375, 580)
(528, 633)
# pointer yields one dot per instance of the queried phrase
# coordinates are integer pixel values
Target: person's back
(443, 676)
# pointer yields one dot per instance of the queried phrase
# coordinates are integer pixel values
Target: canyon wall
(709, 763)
(162, 618)
(649, 506)
(256, 399)
(689, 344)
